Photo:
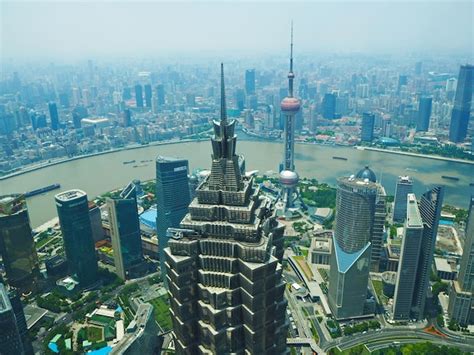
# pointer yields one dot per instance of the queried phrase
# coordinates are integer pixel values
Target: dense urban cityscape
(132, 222)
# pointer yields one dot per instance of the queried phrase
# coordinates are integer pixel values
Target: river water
(98, 174)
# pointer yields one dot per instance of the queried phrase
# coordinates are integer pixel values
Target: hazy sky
(77, 29)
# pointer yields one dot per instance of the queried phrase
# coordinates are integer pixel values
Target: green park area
(425, 348)
(162, 312)
(378, 287)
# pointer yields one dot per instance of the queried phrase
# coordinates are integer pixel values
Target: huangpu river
(101, 173)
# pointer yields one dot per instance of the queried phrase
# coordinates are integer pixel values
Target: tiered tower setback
(223, 264)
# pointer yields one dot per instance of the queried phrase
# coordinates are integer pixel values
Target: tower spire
(291, 75)
(223, 105)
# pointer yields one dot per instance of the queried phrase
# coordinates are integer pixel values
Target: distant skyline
(73, 30)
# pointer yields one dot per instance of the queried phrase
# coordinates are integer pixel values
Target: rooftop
(413, 213)
(70, 195)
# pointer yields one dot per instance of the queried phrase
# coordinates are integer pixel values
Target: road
(388, 336)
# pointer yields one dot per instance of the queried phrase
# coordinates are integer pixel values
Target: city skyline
(367, 24)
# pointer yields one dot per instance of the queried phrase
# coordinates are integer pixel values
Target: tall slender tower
(223, 264)
(289, 107)
(462, 104)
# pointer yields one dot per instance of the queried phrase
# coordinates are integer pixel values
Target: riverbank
(31, 168)
(398, 152)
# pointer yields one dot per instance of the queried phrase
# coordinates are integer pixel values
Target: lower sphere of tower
(289, 178)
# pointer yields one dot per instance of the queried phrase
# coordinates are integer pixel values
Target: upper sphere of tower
(290, 104)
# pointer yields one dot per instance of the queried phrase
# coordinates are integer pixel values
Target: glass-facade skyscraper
(424, 114)
(408, 263)
(17, 246)
(53, 114)
(351, 255)
(172, 198)
(250, 81)
(462, 104)
(224, 272)
(73, 213)
(430, 210)
(10, 339)
(403, 188)
(125, 231)
(148, 95)
(460, 296)
(367, 129)
(139, 95)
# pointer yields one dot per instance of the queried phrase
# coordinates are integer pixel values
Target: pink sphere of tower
(290, 104)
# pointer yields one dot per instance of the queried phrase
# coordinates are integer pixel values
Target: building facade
(73, 213)
(460, 296)
(367, 129)
(224, 271)
(17, 246)
(403, 188)
(350, 259)
(430, 210)
(408, 264)
(462, 104)
(172, 198)
(10, 339)
(125, 231)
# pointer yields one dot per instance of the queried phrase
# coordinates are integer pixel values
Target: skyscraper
(223, 266)
(53, 114)
(125, 231)
(289, 107)
(424, 114)
(17, 246)
(127, 117)
(408, 264)
(404, 187)
(367, 130)
(250, 82)
(73, 213)
(329, 106)
(462, 104)
(139, 95)
(430, 211)
(160, 93)
(148, 95)
(172, 196)
(460, 296)
(10, 339)
(350, 258)
(17, 306)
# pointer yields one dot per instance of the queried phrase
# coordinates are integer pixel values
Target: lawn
(359, 350)
(94, 334)
(304, 266)
(162, 313)
(324, 274)
(378, 287)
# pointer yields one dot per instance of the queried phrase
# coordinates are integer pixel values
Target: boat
(471, 184)
(42, 190)
(129, 161)
(411, 169)
(450, 177)
(140, 165)
(145, 161)
(339, 158)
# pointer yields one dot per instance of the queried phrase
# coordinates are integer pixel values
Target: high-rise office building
(408, 264)
(17, 246)
(460, 307)
(404, 187)
(329, 106)
(402, 81)
(139, 95)
(424, 114)
(418, 68)
(53, 114)
(224, 274)
(172, 196)
(250, 82)
(73, 213)
(10, 339)
(148, 95)
(160, 93)
(367, 129)
(17, 306)
(239, 96)
(350, 258)
(125, 231)
(462, 104)
(430, 210)
(127, 118)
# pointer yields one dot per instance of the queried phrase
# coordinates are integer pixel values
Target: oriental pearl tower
(289, 106)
